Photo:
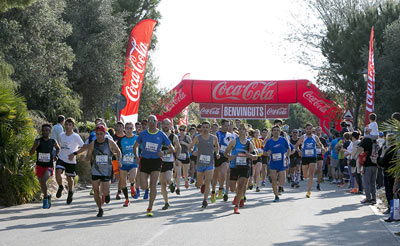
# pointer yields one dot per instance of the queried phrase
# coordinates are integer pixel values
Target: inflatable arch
(254, 92)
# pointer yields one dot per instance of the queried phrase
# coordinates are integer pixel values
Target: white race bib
(205, 159)
(168, 158)
(44, 157)
(101, 159)
(241, 160)
(319, 151)
(128, 159)
(277, 157)
(151, 147)
(182, 156)
(309, 152)
(223, 148)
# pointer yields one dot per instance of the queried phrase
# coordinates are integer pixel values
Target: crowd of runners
(223, 161)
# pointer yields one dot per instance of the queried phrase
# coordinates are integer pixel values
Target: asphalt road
(329, 217)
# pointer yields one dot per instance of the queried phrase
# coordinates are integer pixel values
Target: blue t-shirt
(151, 143)
(334, 154)
(309, 146)
(240, 151)
(223, 139)
(127, 150)
(278, 149)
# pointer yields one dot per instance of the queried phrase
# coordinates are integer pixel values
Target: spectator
(334, 158)
(58, 129)
(371, 131)
(369, 172)
(357, 169)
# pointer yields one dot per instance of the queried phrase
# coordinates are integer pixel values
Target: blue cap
(380, 134)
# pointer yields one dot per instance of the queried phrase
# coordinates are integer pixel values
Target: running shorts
(222, 159)
(150, 165)
(307, 160)
(102, 178)
(39, 171)
(70, 169)
(236, 173)
(166, 166)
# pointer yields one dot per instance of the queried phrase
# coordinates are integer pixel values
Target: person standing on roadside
(58, 128)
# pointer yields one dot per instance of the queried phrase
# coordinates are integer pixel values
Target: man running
(168, 165)
(44, 160)
(117, 139)
(221, 164)
(183, 159)
(238, 153)
(70, 142)
(257, 164)
(295, 161)
(264, 159)
(151, 141)
(100, 152)
(320, 154)
(129, 165)
(309, 144)
(207, 144)
(275, 148)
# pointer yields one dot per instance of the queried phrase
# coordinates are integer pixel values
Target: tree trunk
(356, 114)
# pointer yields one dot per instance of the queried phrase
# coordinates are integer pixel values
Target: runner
(129, 166)
(168, 165)
(69, 142)
(275, 148)
(264, 159)
(257, 164)
(207, 145)
(117, 139)
(320, 154)
(183, 159)
(138, 130)
(221, 164)
(193, 158)
(151, 141)
(45, 160)
(100, 152)
(238, 153)
(295, 161)
(309, 144)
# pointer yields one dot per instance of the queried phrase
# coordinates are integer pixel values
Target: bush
(86, 126)
(18, 183)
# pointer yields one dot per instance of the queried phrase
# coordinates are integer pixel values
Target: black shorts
(307, 160)
(166, 166)
(186, 161)
(193, 158)
(264, 160)
(70, 169)
(236, 173)
(222, 159)
(102, 178)
(319, 158)
(258, 160)
(342, 164)
(295, 161)
(150, 165)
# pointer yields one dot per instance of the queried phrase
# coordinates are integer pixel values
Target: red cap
(100, 128)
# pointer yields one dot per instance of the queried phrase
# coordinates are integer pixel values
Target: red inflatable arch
(254, 92)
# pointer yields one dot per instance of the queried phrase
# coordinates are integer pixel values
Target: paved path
(329, 217)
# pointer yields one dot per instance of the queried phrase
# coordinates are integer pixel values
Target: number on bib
(277, 157)
(319, 151)
(101, 159)
(241, 160)
(128, 159)
(151, 147)
(223, 148)
(309, 152)
(205, 159)
(44, 157)
(182, 156)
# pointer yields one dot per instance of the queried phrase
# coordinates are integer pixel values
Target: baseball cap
(380, 134)
(100, 128)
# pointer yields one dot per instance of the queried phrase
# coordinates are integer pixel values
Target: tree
(98, 41)
(300, 116)
(33, 43)
(9, 4)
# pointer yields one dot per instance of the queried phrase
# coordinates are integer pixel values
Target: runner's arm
(177, 146)
(320, 145)
(228, 150)
(193, 143)
(251, 148)
(57, 147)
(115, 149)
(34, 147)
(216, 146)
(89, 151)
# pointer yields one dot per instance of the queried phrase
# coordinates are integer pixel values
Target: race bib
(319, 151)
(277, 157)
(260, 151)
(151, 147)
(44, 157)
(205, 159)
(223, 148)
(101, 159)
(168, 158)
(182, 156)
(128, 159)
(309, 152)
(241, 160)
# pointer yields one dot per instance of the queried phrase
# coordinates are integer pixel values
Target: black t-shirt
(346, 144)
(44, 152)
(366, 144)
(294, 142)
(117, 140)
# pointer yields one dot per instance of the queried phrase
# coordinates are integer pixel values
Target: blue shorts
(201, 169)
(278, 168)
(128, 167)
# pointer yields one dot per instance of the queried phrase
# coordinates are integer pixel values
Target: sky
(227, 40)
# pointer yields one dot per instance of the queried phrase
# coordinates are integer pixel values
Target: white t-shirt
(56, 132)
(69, 144)
(374, 129)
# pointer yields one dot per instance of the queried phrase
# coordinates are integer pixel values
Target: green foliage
(300, 116)
(33, 43)
(98, 40)
(86, 126)
(9, 4)
(194, 114)
(393, 126)
(18, 183)
(259, 124)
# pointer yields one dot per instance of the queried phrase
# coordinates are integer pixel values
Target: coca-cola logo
(277, 111)
(134, 68)
(316, 102)
(244, 92)
(210, 111)
(370, 84)
(180, 95)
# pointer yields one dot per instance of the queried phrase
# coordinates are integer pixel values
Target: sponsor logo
(318, 103)
(210, 111)
(254, 91)
(180, 95)
(278, 111)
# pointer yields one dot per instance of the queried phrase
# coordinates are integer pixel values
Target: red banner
(135, 64)
(370, 99)
(244, 111)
